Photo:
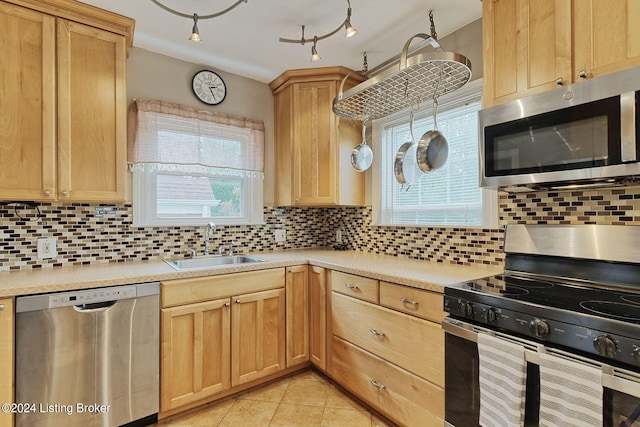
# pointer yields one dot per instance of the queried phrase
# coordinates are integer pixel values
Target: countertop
(420, 274)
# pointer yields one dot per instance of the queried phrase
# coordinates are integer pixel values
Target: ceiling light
(314, 53)
(195, 33)
(346, 24)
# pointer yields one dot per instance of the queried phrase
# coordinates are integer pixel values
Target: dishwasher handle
(93, 307)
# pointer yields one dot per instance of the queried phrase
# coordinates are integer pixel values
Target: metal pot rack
(424, 76)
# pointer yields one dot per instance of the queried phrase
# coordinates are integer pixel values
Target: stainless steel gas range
(570, 295)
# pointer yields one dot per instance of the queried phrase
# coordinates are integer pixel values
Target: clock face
(209, 87)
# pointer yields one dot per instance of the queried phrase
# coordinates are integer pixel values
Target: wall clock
(209, 87)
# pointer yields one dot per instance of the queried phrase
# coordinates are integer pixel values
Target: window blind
(163, 136)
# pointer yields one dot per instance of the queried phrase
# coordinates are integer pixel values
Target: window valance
(164, 136)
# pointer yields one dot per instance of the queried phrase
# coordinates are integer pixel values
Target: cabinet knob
(1, 307)
(559, 81)
(226, 304)
(65, 193)
(582, 74)
(47, 193)
(238, 301)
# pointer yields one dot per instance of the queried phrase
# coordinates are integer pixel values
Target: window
(192, 166)
(449, 196)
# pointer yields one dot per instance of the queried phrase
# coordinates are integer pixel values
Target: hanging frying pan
(433, 149)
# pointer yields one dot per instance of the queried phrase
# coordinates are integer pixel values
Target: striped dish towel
(570, 393)
(503, 376)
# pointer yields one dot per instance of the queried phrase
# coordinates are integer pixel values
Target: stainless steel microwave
(582, 134)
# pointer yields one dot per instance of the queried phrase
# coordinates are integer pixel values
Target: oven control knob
(539, 327)
(467, 309)
(636, 353)
(492, 315)
(605, 345)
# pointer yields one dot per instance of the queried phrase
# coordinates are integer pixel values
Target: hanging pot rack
(414, 79)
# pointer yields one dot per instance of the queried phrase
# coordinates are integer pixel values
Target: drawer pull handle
(408, 301)
(376, 333)
(350, 286)
(1, 307)
(377, 384)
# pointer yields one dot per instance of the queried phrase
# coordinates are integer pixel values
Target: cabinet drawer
(356, 286)
(403, 397)
(413, 344)
(418, 302)
(187, 291)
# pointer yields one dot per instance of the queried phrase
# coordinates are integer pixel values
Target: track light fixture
(350, 31)
(195, 32)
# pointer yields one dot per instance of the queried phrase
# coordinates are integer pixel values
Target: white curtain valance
(168, 136)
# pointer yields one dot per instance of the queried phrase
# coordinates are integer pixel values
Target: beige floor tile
(249, 413)
(290, 415)
(306, 392)
(207, 416)
(309, 375)
(269, 393)
(338, 417)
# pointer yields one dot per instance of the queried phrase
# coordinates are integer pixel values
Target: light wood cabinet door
(606, 36)
(313, 146)
(195, 352)
(297, 314)
(91, 114)
(257, 335)
(526, 48)
(6, 358)
(27, 104)
(318, 316)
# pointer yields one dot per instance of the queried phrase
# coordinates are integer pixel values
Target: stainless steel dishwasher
(88, 357)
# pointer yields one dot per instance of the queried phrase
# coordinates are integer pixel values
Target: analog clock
(209, 87)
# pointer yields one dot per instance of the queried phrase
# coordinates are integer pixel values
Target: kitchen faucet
(228, 247)
(210, 227)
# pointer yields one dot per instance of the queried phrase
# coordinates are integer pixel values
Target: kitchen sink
(211, 261)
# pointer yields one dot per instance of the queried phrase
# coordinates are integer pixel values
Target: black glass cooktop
(622, 305)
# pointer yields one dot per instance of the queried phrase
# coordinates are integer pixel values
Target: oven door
(462, 391)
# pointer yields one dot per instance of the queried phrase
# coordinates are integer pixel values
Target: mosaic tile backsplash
(89, 234)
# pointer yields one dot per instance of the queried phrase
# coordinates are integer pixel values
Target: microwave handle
(628, 127)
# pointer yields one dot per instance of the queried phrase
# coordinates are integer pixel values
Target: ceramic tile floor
(306, 400)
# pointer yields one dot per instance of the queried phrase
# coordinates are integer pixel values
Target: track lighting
(350, 31)
(314, 52)
(195, 33)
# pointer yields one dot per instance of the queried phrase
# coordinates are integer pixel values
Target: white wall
(154, 76)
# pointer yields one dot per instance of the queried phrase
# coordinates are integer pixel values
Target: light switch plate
(281, 235)
(47, 248)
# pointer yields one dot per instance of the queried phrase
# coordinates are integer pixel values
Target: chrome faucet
(210, 227)
(228, 247)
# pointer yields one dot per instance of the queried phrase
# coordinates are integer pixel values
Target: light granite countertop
(420, 274)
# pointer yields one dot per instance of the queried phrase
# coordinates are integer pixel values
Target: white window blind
(449, 196)
(191, 166)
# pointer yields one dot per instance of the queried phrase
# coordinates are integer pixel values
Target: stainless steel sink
(211, 261)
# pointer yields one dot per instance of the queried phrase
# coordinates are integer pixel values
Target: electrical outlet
(281, 235)
(47, 247)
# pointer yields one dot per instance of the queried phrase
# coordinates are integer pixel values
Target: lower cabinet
(297, 288)
(6, 358)
(214, 337)
(390, 354)
(196, 352)
(318, 317)
(257, 335)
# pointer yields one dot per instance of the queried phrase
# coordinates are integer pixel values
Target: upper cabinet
(63, 110)
(312, 145)
(531, 47)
